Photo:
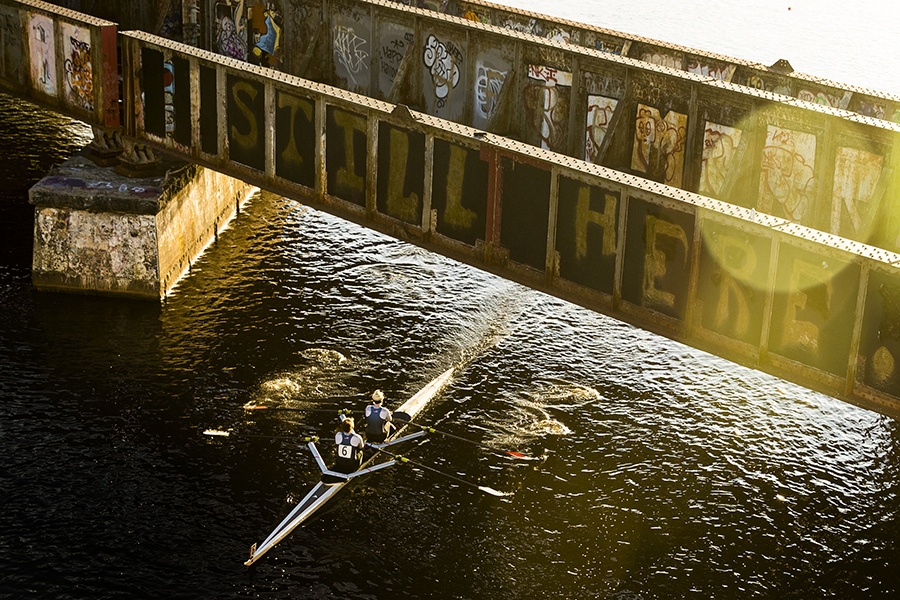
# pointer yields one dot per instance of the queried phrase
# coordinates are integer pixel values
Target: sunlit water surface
(663, 472)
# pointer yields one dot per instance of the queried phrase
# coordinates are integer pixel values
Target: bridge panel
(60, 58)
(734, 270)
(525, 210)
(813, 309)
(658, 258)
(295, 127)
(401, 173)
(208, 110)
(587, 234)
(879, 353)
(681, 264)
(666, 114)
(459, 193)
(347, 154)
(246, 121)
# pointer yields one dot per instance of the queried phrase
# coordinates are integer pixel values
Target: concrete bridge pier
(130, 230)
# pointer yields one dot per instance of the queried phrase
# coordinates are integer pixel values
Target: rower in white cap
(378, 419)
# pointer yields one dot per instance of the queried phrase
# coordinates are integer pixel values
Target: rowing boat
(322, 492)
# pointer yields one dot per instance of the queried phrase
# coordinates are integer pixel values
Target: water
(664, 472)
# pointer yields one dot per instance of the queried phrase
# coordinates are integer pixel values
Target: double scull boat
(322, 492)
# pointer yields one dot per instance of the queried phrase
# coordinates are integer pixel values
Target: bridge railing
(775, 78)
(818, 166)
(802, 304)
(60, 58)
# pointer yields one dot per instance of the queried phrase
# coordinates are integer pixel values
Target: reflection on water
(663, 472)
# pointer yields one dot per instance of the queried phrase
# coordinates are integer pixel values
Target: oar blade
(217, 433)
(493, 492)
(254, 406)
(519, 455)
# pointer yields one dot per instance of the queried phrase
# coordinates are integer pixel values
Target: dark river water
(664, 472)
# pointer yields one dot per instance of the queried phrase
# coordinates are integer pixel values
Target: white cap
(377, 396)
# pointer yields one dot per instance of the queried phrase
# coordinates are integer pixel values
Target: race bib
(345, 451)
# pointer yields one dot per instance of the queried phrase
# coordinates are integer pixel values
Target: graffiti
(265, 32)
(758, 83)
(392, 54)
(545, 97)
(660, 236)
(532, 26)
(876, 111)
(825, 99)
(142, 191)
(713, 70)
(558, 35)
(736, 263)
(43, 55)
(443, 61)
(435, 5)
(720, 143)
(169, 95)
(599, 114)
(856, 176)
(79, 75)
(349, 51)
(658, 148)
(172, 22)
(476, 17)
(609, 47)
(231, 29)
(605, 220)
(787, 180)
(811, 290)
(488, 83)
(664, 60)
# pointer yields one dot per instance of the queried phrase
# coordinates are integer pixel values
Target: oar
(503, 453)
(221, 433)
(254, 406)
(402, 459)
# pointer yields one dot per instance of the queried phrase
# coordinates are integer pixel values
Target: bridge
(714, 205)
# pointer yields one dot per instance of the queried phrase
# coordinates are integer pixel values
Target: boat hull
(323, 492)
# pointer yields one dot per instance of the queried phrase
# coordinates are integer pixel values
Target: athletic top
(348, 451)
(377, 419)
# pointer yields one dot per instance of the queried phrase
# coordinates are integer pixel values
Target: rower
(378, 419)
(349, 448)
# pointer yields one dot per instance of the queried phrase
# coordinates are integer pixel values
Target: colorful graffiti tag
(231, 29)
(79, 76)
(169, 96)
(824, 98)
(265, 31)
